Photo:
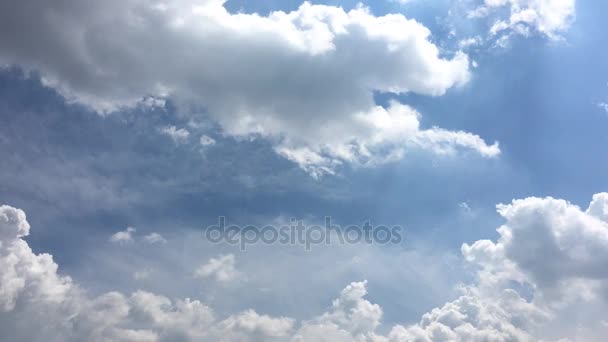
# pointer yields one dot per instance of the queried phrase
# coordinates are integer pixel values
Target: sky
(130, 128)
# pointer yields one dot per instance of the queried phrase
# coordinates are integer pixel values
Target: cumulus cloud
(548, 17)
(573, 244)
(32, 291)
(548, 262)
(351, 318)
(221, 269)
(304, 79)
(123, 237)
(546, 265)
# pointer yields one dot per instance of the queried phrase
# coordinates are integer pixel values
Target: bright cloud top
(303, 79)
(548, 262)
(549, 17)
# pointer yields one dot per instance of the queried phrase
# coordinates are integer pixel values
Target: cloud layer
(304, 79)
(548, 259)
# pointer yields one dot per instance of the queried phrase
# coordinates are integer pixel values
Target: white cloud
(178, 135)
(548, 262)
(549, 251)
(549, 17)
(13, 224)
(470, 42)
(155, 238)
(304, 80)
(32, 291)
(351, 318)
(206, 140)
(573, 245)
(123, 237)
(221, 269)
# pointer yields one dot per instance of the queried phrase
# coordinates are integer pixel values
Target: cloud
(470, 42)
(546, 264)
(573, 243)
(221, 269)
(155, 238)
(305, 79)
(548, 261)
(13, 224)
(351, 318)
(178, 135)
(126, 236)
(123, 237)
(206, 140)
(548, 17)
(31, 290)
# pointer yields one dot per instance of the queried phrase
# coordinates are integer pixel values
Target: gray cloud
(303, 79)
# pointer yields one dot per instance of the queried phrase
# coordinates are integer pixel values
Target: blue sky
(294, 128)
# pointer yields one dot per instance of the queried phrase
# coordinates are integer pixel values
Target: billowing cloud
(351, 318)
(548, 262)
(573, 244)
(32, 291)
(303, 79)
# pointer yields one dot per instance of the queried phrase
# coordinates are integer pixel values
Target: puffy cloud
(254, 327)
(221, 269)
(123, 237)
(351, 317)
(12, 223)
(547, 262)
(550, 243)
(475, 317)
(599, 206)
(24, 274)
(549, 17)
(31, 290)
(303, 79)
